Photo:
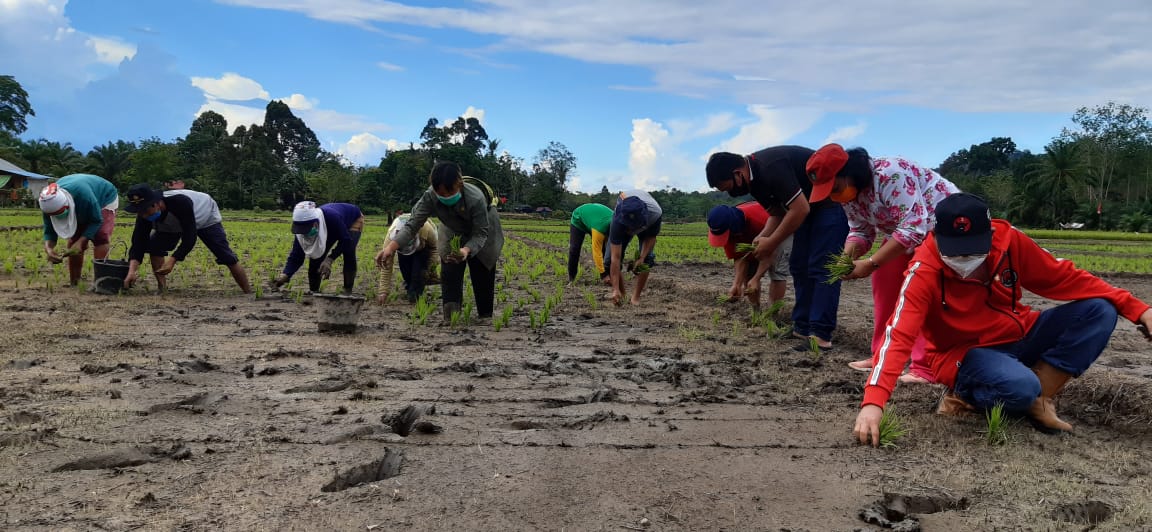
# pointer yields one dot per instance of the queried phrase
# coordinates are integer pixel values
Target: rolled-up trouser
(1069, 338)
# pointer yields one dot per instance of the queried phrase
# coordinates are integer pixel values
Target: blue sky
(640, 91)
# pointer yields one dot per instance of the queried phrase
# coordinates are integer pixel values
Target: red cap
(718, 240)
(822, 169)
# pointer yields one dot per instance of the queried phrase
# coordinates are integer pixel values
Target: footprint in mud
(195, 403)
(320, 387)
(896, 511)
(1084, 513)
(386, 467)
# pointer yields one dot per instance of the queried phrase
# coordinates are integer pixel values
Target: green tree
(295, 143)
(1112, 135)
(1059, 176)
(14, 106)
(207, 157)
(111, 161)
(155, 162)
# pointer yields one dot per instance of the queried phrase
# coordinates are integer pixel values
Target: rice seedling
(891, 429)
(689, 333)
(590, 297)
(745, 248)
(996, 430)
(421, 310)
(814, 348)
(838, 265)
(715, 318)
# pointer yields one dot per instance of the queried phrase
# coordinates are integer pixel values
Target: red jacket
(956, 314)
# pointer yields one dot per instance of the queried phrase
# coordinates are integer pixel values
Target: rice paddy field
(207, 409)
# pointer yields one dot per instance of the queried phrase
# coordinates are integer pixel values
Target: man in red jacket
(963, 291)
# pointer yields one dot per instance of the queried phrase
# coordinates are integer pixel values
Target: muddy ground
(199, 410)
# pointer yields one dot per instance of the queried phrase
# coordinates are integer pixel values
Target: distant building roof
(8, 168)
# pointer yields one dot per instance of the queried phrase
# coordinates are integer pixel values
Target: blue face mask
(450, 200)
(314, 232)
(154, 216)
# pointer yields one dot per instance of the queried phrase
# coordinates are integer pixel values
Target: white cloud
(846, 133)
(236, 114)
(111, 50)
(299, 102)
(231, 86)
(42, 50)
(771, 127)
(656, 159)
(391, 67)
(366, 149)
(982, 55)
(472, 112)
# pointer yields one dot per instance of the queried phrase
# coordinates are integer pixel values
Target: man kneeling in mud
(963, 291)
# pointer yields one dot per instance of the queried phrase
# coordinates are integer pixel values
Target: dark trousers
(414, 268)
(349, 266)
(822, 234)
(1069, 338)
(483, 284)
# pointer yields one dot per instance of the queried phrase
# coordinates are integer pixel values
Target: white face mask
(964, 265)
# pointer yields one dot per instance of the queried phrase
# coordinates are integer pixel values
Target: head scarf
(314, 246)
(54, 198)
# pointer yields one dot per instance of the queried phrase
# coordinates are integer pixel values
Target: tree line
(1097, 172)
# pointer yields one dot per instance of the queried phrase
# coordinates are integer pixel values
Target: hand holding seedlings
(867, 430)
(839, 266)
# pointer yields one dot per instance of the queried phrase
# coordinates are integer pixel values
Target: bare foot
(861, 365)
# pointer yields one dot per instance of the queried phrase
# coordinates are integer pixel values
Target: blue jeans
(822, 234)
(1069, 338)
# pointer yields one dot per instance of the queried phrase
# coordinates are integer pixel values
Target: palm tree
(36, 153)
(63, 159)
(1057, 176)
(111, 160)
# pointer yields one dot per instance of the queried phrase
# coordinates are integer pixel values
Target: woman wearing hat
(895, 198)
(466, 212)
(81, 208)
(323, 234)
(416, 264)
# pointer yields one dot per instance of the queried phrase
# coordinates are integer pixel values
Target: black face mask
(739, 190)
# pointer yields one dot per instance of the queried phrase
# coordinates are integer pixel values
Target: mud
(202, 410)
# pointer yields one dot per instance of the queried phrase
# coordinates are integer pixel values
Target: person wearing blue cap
(729, 226)
(778, 179)
(636, 215)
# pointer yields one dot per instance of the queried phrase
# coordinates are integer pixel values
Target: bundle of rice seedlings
(745, 248)
(996, 432)
(838, 265)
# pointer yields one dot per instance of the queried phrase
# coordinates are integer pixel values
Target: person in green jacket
(469, 237)
(82, 209)
(589, 219)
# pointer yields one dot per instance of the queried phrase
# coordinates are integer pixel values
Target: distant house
(13, 178)
(544, 211)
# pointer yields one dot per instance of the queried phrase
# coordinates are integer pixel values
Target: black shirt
(179, 217)
(779, 175)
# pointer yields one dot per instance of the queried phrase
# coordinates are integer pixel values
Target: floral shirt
(901, 203)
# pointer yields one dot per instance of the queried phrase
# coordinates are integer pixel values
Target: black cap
(141, 197)
(963, 225)
(302, 228)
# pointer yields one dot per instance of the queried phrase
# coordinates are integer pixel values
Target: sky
(641, 91)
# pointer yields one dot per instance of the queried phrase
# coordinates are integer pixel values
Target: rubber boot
(1043, 410)
(449, 309)
(952, 405)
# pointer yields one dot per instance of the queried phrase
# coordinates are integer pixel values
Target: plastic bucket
(110, 274)
(338, 313)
